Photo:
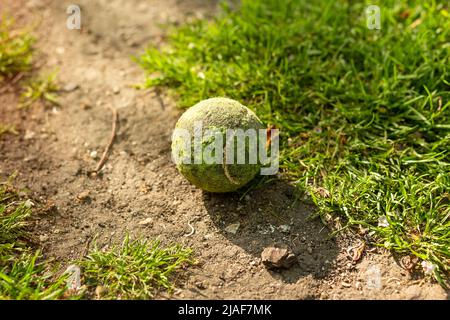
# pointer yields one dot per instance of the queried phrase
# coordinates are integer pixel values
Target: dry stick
(17, 77)
(86, 247)
(160, 100)
(111, 140)
(4, 89)
(13, 81)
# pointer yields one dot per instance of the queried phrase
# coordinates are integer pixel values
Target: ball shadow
(271, 216)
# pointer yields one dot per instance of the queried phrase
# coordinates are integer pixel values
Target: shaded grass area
(364, 114)
(136, 269)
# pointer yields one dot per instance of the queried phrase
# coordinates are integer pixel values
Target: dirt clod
(274, 258)
(84, 196)
(146, 222)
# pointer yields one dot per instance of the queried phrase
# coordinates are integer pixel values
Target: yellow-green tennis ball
(219, 116)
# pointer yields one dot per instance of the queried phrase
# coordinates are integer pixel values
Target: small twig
(86, 247)
(4, 89)
(111, 141)
(12, 82)
(160, 100)
(439, 104)
(416, 23)
(17, 77)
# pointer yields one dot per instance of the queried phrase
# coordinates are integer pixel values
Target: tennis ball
(208, 154)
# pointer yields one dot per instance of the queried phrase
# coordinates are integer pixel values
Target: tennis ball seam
(225, 168)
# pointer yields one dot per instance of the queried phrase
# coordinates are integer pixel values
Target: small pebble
(274, 258)
(233, 228)
(71, 86)
(83, 196)
(29, 135)
(146, 222)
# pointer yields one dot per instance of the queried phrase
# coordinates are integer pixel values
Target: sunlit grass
(43, 89)
(364, 114)
(135, 269)
(16, 49)
(24, 274)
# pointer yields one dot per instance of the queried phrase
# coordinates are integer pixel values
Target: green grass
(134, 270)
(24, 274)
(7, 128)
(13, 213)
(364, 114)
(41, 89)
(27, 277)
(16, 49)
(16, 58)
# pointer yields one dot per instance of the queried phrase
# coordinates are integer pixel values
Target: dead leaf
(416, 23)
(324, 193)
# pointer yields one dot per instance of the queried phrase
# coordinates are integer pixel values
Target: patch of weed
(16, 49)
(135, 269)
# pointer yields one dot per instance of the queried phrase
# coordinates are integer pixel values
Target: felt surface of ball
(217, 114)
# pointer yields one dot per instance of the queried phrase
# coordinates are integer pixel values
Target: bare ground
(139, 190)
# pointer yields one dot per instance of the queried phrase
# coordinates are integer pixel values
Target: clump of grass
(16, 58)
(27, 277)
(23, 272)
(133, 270)
(7, 128)
(13, 212)
(42, 89)
(364, 114)
(16, 49)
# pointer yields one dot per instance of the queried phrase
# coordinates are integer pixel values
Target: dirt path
(141, 192)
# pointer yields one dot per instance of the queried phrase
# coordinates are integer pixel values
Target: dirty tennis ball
(200, 150)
